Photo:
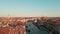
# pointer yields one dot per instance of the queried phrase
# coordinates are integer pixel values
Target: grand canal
(33, 29)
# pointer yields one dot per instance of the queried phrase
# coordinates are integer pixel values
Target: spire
(8, 16)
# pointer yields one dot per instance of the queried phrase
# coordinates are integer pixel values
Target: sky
(29, 8)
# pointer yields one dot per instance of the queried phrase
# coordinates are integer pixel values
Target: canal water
(33, 29)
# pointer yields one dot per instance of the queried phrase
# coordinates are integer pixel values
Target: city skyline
(29, 8)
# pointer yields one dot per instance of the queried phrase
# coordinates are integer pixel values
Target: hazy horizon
(30, 8)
